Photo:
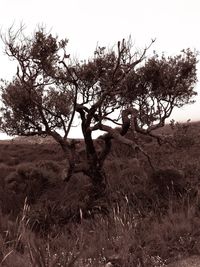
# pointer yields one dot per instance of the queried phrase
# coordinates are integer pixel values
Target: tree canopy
(118, 86)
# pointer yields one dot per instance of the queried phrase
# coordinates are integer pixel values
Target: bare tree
(119, 87)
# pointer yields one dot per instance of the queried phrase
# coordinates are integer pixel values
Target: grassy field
(146, 218)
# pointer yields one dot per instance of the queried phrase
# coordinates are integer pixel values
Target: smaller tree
(117, 86)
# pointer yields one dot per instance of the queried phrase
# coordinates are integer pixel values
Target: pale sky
(174, 24)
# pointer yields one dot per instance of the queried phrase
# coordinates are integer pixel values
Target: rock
(114, 261)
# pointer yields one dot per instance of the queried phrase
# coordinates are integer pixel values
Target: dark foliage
(169, 181)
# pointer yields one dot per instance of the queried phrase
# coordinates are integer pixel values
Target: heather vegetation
(145, 218)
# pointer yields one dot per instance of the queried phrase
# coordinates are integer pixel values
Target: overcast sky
(174, 24)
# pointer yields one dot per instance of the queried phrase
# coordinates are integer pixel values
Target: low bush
(29, 180)
(183, 136)
(169, 181)
(4, 171)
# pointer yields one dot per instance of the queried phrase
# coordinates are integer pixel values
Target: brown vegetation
(146, 218)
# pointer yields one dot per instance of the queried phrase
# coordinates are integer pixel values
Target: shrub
(28, 181)
(128, 181)
(168, 181)
(61, 204)
(52, 169)
(4, 171)
(183, 136)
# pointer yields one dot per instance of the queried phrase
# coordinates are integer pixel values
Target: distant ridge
(32, 140)
(195, 125)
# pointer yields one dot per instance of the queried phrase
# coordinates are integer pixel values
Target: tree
(117, 86)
